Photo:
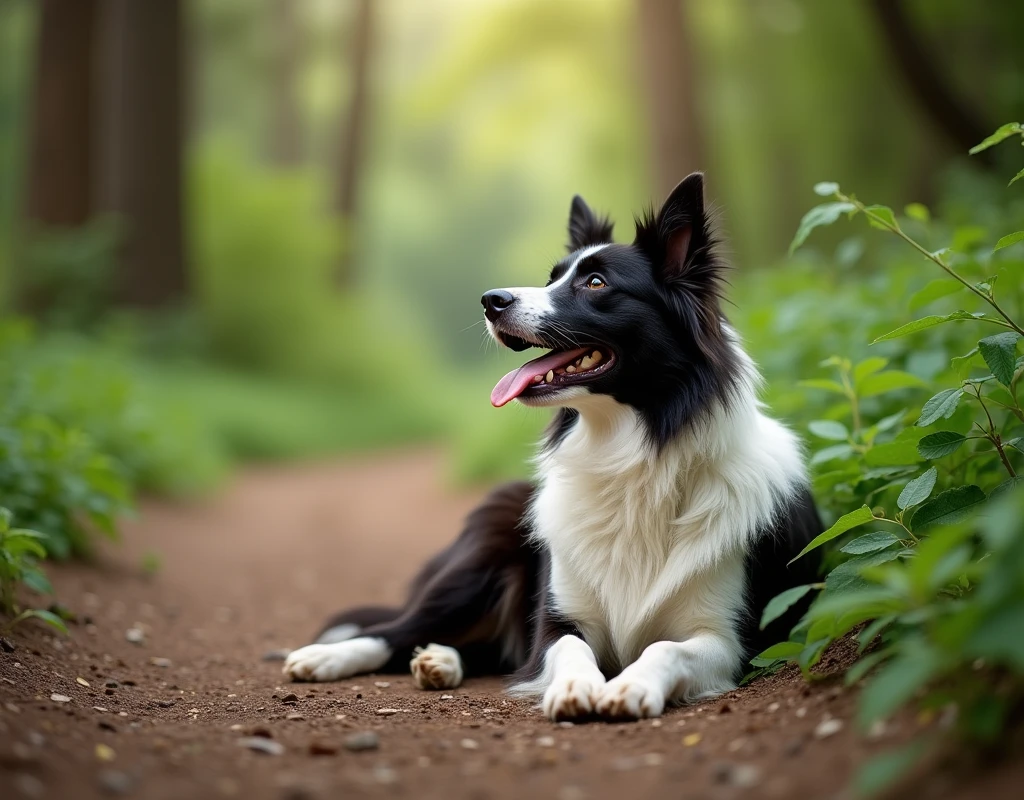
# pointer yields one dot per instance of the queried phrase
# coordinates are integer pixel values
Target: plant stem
(987, 297)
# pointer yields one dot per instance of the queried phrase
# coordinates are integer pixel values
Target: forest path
(257, 568)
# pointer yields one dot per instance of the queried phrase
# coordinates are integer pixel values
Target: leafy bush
(20, 553)
(935, 589)
(53, 475)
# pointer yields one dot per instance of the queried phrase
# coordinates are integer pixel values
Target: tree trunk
(960, 124)
(286, 127)
(142, 143)
(668, 76)
(352, 157)
(60, 176)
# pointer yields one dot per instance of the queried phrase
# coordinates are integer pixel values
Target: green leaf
(1000, 353)
(824, 384)
(1009, 485)
(917, 211)
(36, 580)
(868, 634)
(941, 406)
(961, 365)
(882, 771)
(845, 523)
(865, 665)
(868, 366)
(928, 322)
(889, 382)
(940, 444)
(870, 543)
(824, 214)
(781, 603)
(898, 681)
(1002, 132)
(829, 453)
(1012, 238)
(917, 490)
(783, 651)
(997, 638)
(826, 188)
(950, 506)
(899, 453)
(883, 213)
(829, 429)
(847, 576)
(49, 618)
(1016, 178)
(811, 653)
(934, 290)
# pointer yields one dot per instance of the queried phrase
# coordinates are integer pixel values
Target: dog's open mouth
(559, 369)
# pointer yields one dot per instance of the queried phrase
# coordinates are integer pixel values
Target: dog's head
(641, 322)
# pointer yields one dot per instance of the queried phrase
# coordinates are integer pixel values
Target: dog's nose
(495, 301)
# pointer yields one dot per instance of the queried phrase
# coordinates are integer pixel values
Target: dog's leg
(669, 672)
(436, 667)
(572, 677)
(349, 624)
(475, 595)
(337, 660)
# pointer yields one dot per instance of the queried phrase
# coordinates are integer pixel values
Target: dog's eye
(595, 282)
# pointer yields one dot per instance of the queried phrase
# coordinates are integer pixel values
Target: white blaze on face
(533, 303)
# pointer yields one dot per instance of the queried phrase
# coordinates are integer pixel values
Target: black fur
(769, 572)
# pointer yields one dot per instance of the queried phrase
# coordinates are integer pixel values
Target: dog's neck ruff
(633, 527)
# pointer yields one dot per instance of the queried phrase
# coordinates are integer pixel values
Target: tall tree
(957, 120)
(142, 136)
(353, 134)
(285, 122)
(669, 79)
(60, 172)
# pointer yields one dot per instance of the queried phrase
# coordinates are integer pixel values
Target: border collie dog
(632, 573)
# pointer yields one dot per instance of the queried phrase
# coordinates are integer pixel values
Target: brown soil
(256, 569)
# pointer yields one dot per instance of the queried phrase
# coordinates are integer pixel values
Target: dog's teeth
(595, 357)
(570, 369)
(586, 363)
(538, 378)
(550, 376)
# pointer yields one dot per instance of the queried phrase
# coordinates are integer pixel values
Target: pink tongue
(516, 382)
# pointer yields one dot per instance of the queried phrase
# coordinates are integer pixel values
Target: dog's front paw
(332, 662)
(570, 698)
(626, 698)
(436, 667)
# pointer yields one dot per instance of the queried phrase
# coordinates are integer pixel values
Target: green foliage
(21, 550)
(937, 589)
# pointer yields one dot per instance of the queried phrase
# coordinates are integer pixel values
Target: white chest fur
(649, 545)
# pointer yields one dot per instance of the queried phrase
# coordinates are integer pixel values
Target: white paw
(626, 698)
(570, 698)
(332, 662)
(436, 667)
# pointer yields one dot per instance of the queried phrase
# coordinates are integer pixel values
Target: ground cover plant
(917, 469)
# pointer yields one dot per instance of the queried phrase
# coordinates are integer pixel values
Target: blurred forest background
(238, 229)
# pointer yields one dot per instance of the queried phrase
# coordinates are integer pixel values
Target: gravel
(365, 740)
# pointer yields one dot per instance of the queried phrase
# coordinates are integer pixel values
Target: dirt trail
(256, 569)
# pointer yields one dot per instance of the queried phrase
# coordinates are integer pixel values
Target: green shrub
(917, 468)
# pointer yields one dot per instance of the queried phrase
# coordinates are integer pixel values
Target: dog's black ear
(585, 227)
(677, 238)
(680, 245)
